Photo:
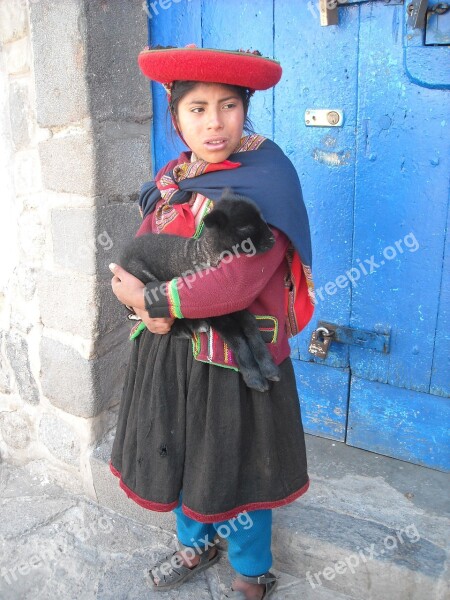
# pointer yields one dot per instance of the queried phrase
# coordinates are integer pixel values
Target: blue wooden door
(377, 193)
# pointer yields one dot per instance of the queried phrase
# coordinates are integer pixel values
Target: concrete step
(369, 527)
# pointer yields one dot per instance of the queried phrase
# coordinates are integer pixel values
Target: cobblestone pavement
(58, 545)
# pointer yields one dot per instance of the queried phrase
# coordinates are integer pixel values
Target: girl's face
(211, 120)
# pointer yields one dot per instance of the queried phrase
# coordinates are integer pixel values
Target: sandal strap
(261, 579)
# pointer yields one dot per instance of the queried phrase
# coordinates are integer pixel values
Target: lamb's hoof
(270, 371)
(256, 383)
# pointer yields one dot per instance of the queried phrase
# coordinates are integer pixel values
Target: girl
(191, 437)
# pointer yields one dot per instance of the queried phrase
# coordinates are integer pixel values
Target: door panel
(321, 73)
(377, 194)
(398, 422)
(440, 371)
(323, 395)
(399, 192)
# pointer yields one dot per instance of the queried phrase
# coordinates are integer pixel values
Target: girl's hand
(128, 288)
(159, 325)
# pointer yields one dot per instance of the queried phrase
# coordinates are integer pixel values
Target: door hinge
(419, 12)
(329, 9)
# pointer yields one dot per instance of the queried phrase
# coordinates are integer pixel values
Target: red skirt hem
(214, 518)
(156, 506)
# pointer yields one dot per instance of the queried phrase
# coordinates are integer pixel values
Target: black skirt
(196, 427)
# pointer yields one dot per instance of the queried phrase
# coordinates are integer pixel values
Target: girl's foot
(253, 588)
(189, 561)
(252, 591)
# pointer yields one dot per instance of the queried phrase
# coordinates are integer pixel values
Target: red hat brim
(207, 64)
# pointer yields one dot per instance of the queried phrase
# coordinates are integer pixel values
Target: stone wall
(75, 115)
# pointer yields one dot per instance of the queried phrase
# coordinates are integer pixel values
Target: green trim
(138, 331)
(275, 325)
(210, 362)
(200, 226)
(195, 345)
(174, 299)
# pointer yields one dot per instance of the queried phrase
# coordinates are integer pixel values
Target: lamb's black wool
(234, 222)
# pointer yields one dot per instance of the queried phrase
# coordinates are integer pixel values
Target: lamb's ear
(216, 218)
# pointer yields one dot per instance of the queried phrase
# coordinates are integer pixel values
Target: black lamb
(234, 222)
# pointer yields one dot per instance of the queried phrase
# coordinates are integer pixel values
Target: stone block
(88, 239)
(15, 430)
(60, 438)
(79, 386)
(122, 158)
(67, 164)
(116, 225)
(20, 112)
(17, 57)
(13, 20)
(112, 315)
(71, 163)
(68, 303)
(76, 304)
(117, 88)
(16, 349)
(114, 334)
(59, 66)
(73, 238)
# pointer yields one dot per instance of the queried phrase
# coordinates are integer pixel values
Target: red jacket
(256, 283)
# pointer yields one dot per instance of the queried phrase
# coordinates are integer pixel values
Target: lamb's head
(237, 221)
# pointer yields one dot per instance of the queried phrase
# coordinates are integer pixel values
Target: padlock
(317, 346)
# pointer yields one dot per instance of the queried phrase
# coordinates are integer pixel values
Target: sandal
(269, 579)
(171, 576)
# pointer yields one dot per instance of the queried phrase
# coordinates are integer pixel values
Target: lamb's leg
(249, 326)
(186, 327)
(230, 331)
(180, 329)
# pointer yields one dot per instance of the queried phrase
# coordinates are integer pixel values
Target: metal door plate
(324, 117)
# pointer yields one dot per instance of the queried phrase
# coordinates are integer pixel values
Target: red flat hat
(244, 68)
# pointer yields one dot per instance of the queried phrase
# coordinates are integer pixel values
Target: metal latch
(324, 117)
(325, 333)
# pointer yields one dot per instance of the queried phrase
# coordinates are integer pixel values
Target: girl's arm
(230, 287)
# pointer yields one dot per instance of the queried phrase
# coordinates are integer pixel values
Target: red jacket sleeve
(230, 287)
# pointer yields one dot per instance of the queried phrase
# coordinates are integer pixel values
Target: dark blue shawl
(267, 177)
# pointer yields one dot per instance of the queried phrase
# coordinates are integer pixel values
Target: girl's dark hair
(181, 88)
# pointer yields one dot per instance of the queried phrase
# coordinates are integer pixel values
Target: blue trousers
(249, 537)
